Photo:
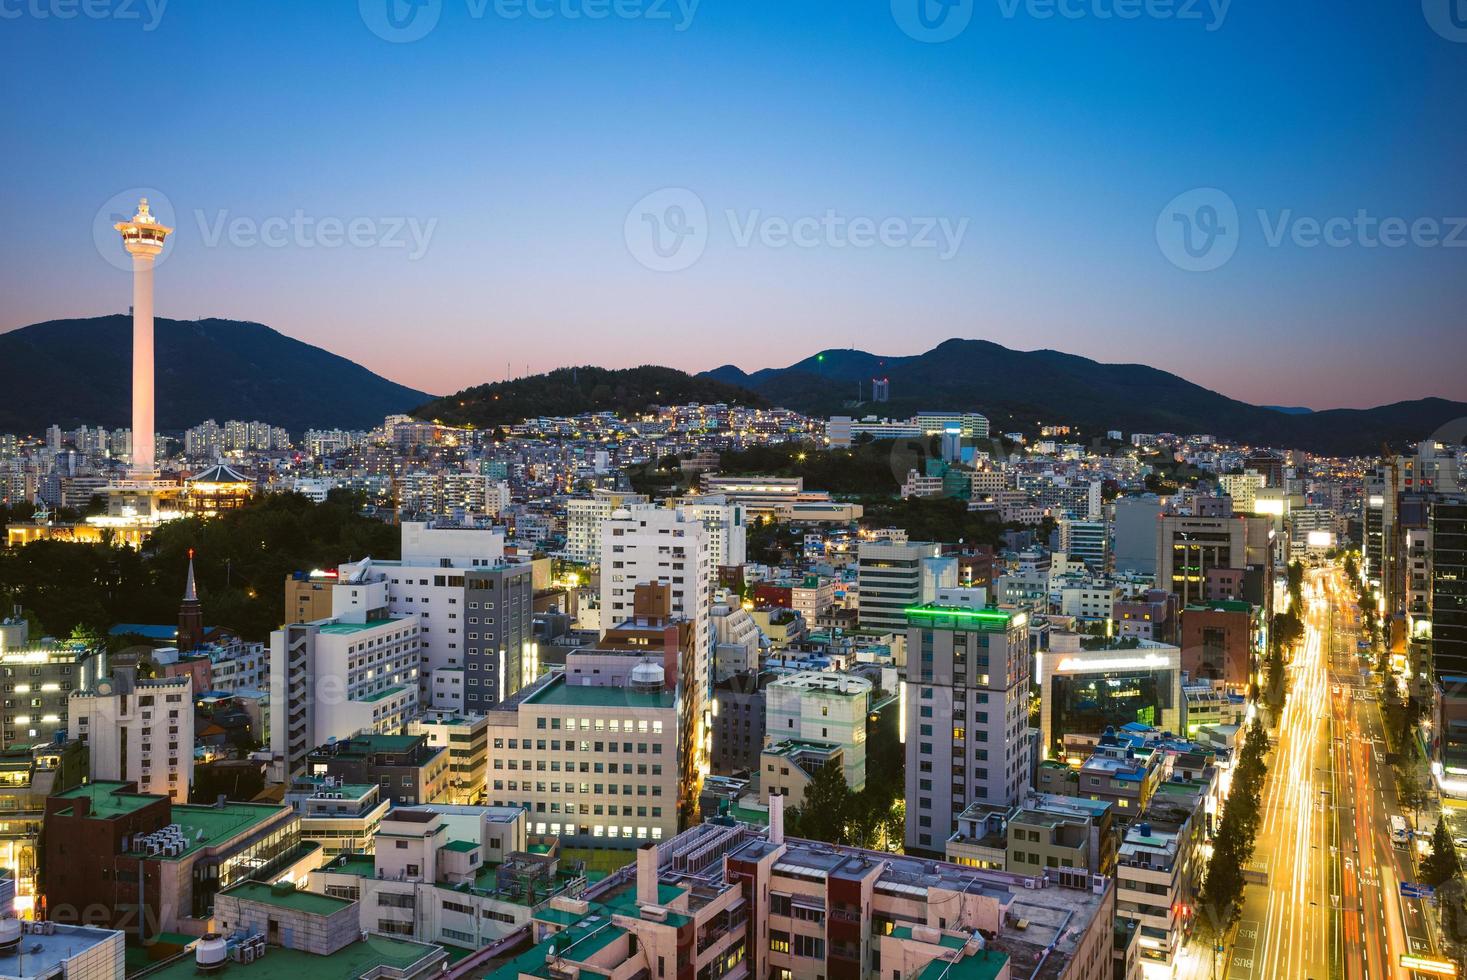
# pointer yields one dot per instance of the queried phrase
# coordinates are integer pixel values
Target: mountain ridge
(1023, 389)
(77, 371)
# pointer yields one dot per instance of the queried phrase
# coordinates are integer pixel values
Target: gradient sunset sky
(526, 142)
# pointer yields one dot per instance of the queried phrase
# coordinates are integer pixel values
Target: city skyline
(1022, 201)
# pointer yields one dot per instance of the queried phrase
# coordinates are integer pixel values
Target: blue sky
(497, 174)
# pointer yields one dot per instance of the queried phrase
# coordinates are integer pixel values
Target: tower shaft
(143, 458)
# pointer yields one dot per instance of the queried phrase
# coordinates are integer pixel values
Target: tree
(1221, 899)
(827, 807)
(1441, 864)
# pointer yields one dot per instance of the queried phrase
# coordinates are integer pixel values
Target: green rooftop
(347, 629)
(108, 800)
(362, 865)
(961, 617)
(559, 693)
(287, 896)
(209, 826)
(986, 964)
(356, 960)
(367, 744)
(946, 941)
(462, 846)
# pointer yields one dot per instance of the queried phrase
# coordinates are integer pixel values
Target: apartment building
(966, 705)
(407, 769)
(341, 817)
(822, 707)
(592, 764)
(467, 740)
(336, 677)
(139, 732)
(1044, 834)
(583, 520)
(474, 612)
(39, 678)
(1159, 869)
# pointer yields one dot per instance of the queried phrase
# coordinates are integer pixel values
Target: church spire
(190, 592)
(190, 613)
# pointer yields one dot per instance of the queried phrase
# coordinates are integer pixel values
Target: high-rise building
(657, 545)
(139, 731)
(1449, 637)
(889, 578)
(966, 705)
(583, 520)
(332, 678)
(474, 611)
(1086, 541)
(39, 679)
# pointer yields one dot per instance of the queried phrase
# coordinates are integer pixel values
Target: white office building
(139, 731)
(817, 706)
(356, 671)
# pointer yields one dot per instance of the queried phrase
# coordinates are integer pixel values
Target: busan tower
(143, 238)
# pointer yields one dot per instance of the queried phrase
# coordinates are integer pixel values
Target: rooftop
(962, 617)
(107, 799)
(210, 826)
(356, 960)
(44, 954)
(286, 896)
(558, 693)
(337, 628)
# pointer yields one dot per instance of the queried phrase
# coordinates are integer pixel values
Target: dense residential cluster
(738, 724)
